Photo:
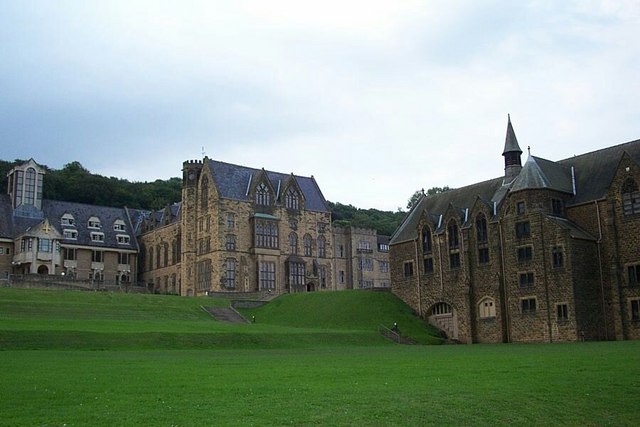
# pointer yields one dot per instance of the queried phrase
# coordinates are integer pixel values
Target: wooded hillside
(74, 183)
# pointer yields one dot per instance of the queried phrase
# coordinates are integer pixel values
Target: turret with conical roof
(511, 153)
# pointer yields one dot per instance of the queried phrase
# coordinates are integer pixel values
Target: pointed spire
(511, 153)
(510, 142)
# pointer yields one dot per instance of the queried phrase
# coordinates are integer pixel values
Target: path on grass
(225, 314)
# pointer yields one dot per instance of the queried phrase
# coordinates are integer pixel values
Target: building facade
(548, 252)
(88, 243)
(361, 258)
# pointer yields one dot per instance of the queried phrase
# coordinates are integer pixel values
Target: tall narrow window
(293, 243)
(267, 275)
(308, 249)
(231, 273)
(263, 196)
(426, 240)
(452, 235)
(292, 199)
(630, 197)
(481, 229)
(523, 229)
(30, 187)
(557, 255)
(322, 243)
(204, 193)
(296, 274)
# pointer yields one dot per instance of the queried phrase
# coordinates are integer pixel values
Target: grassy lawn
(154, 360)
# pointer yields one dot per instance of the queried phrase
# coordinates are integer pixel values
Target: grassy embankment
(269, 381)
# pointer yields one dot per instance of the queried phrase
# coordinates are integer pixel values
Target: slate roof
(538, 173)
(593, 174)
(232, 182)
(435, 205)
(510, 141)
(12, 226)
(595, 170)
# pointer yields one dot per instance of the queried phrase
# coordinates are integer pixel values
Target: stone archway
(443, 316)
(43, 269)
(311, 287)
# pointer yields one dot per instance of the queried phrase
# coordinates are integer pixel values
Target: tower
(190, 175)
(511, 153)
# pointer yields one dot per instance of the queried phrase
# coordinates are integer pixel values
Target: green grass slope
(48, 319)
(346, 310)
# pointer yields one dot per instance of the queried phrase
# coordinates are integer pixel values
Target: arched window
(322, 243)
(293, 243)
(204, 193)
(487, 308)
(263, 196)
(452, 235)
(481, 229)
(441, 309)
(630, 197)
(427, 245)
(292, 199)
(308, 250)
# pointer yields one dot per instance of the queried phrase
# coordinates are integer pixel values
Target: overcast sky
(375, 99)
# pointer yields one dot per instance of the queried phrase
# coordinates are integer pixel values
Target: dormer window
(70, 234)
(263, 195)
(292, 199)
(68, 220)
(119, 225)
(123, 239)
(97, 236)
(94, 222)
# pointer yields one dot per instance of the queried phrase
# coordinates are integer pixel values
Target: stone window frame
(634, 309)
(97, 256)
(521, 207)
(70, 234)
(484, 256)
(427, 265)
(230, 242)
(407, 268)
(630, 197)
(524, 254)
(487, 311)
(204, 192)
(482, 229)
(230, 273)
(94, 223)
(119, 225)
(69, 254)
(322, 247)
(263, 194)
(293, 243)
(292, 199)
(383, 266)
(266, 234)
(297, 273)
(455, 261)
(633, 274)
(523, 229)
(528, 305)
(307, 243)
(526, 279)
(267, 275)
(427, 240)
(562, 312)
(557, 206)
(453, 234)
(231, 220)
(557, 257)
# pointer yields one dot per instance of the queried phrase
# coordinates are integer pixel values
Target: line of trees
(75, 183)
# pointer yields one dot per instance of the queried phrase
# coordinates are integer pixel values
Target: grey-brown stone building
(239, 229)
(550, 251)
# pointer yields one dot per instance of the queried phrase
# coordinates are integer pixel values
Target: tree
(415, 197)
